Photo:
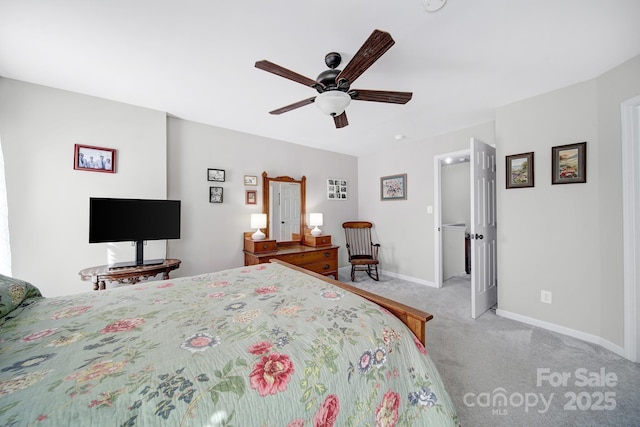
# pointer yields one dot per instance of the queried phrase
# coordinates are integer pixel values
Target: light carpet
(500, 372)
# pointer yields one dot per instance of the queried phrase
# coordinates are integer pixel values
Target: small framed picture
(94, 159)
(250, 180)
(520, 170)
(336, 189)
(569, 164)
(251, 197)
(393, 187)
(215, 194)
(215, 175)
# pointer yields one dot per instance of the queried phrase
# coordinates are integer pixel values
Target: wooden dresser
(316, 254)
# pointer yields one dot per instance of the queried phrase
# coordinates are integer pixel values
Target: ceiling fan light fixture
(333, 102)
(334, 86)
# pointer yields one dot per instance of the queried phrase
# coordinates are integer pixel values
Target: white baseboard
(565, 331)
(409, 278)
(347, 272)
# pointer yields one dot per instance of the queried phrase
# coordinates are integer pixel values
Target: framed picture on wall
(250, 180)
(569, 164)
(336, 189)
(251, 197)
(94, 159)
(215, 175)
(215, 194)
(520, 170)
(393, 187)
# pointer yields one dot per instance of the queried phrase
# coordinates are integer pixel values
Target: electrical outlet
(545, 297)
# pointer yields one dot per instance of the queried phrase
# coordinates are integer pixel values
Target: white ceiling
(195, 59)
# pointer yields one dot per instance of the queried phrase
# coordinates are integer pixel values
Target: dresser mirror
(283, 200)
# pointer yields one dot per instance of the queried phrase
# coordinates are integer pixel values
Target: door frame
(630, 111)
(437, 210)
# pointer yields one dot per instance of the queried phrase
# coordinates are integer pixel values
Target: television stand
(127, 275)
(117, 265)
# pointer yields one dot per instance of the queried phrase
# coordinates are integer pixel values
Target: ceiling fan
(334, 86)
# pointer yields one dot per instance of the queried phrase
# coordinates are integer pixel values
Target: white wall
(614, 87)
(403, 227)
(48, 200)
(548, 234)
(212, 234)
(569, 236)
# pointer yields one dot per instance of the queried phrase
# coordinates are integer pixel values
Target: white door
(274, 209)
(484, 291)
(289, 210)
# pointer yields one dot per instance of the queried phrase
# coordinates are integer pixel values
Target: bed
(265, 345)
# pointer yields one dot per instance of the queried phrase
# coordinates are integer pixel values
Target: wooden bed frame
(415, 319)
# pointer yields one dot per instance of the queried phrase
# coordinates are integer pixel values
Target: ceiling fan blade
(381, 96)
(287, 74)
(341, 120)
(293, 106)
(373, 48)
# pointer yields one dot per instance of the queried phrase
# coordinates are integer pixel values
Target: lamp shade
(258, 220)
(332, 102)
(315, 219)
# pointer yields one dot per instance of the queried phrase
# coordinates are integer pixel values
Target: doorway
(455, 214)
(443, 163)
(482, 226)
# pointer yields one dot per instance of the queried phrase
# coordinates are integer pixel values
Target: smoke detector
(433, 5)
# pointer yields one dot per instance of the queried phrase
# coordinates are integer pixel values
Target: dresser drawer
(323, 240)
(322, 267)
(311, 256)
(322, 259)
(259, 245)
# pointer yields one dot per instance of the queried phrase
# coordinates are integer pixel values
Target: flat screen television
(133, 220)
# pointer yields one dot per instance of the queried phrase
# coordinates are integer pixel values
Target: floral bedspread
(254, 346)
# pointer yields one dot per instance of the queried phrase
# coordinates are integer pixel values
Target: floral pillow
(13, 292)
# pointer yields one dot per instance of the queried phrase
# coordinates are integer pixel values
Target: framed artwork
(250, 180)
(94, 159)
(520, 170)
(336, 189)
(569, 163)
(393, 187)
(215, 194)
(251, 197)
(215, 175)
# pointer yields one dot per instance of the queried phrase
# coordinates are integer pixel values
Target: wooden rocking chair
(363, 253)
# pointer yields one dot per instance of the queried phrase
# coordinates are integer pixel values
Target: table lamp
(315, 219)
(258, 221)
